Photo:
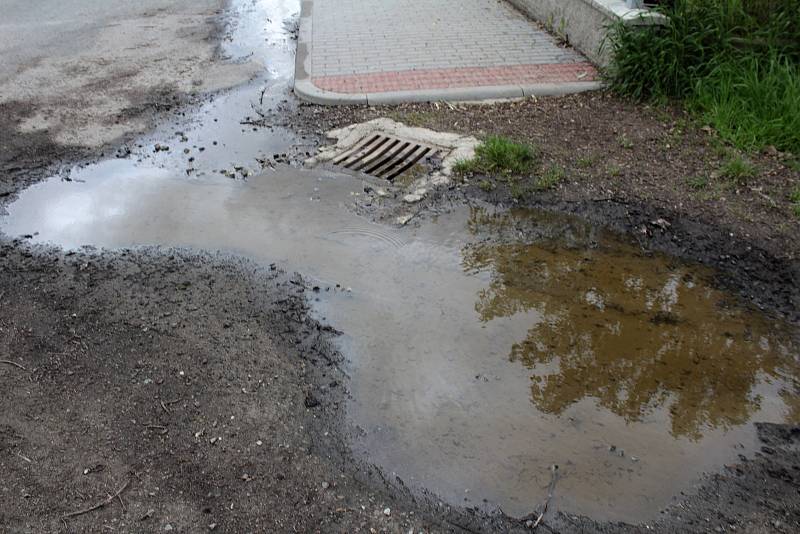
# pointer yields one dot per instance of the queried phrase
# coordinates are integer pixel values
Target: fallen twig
(550, 490)
(163, 429)
(98, 505)
(15, 364)
(164, 404)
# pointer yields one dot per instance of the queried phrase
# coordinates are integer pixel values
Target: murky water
(484, 346)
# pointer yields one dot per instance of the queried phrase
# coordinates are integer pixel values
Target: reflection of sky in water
(632, 331)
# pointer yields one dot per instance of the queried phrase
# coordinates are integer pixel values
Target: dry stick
(550, 490)
(99, 505)
(15, 364)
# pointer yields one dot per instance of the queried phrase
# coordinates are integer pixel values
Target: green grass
(735, 64)
(738, 170)
(551, 177)
(794, 198)
(499, 155)
(697, 182)
(585, 162)
(625, 142)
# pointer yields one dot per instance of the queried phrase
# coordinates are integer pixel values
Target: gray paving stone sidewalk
(416, 49)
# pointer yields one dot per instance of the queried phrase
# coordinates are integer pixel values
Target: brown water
(483, 346)
(479, 357)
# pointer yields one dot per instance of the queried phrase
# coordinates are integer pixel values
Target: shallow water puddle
(478, 361)
(484, 346)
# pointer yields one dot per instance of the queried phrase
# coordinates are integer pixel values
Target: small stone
(259, 443)
(387, 512)
(412, 198)
(325, 485)
(212, 526)
(168, 527)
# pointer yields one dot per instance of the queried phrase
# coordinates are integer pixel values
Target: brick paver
(377, 46)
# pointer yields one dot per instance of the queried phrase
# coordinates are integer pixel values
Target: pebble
(325, 485)
(387, 512)
(168, 527)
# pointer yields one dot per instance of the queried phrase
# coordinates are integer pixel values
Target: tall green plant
(734, 61)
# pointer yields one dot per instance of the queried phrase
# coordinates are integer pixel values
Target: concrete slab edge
(305, 89)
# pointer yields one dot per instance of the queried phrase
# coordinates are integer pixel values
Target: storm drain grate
(384, 156)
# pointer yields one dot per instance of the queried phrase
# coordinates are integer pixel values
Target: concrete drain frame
(384, 149)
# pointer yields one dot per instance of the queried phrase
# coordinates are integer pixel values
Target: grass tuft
(551, 177)
(794, 198)
(738, 170)
(499, 155)
(697, 182)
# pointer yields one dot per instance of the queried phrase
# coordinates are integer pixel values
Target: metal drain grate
(384, 156)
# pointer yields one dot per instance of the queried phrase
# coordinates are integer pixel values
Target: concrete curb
(305, 89)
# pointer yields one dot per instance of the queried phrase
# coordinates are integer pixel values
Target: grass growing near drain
(735, 63)
(795, 199)
(551, 177)
(499, 155)
(697, 182)
(738, 170)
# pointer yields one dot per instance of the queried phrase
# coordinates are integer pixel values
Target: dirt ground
(194, 387)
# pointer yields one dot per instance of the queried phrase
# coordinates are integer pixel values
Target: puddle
(478, 361)
(227, 136)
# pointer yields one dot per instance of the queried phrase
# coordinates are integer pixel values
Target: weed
(550, 178)
(464, 166)
(499, 155)
(614, 171)
(518, 191)
(486, 185)
(735, 63)
(738, 170)
(625, 142)
(697, 182)
(416, 118)
(585, 162)
(794, 197)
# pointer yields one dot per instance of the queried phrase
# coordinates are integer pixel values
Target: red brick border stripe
(412, 80)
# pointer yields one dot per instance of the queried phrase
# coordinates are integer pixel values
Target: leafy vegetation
(551, 177)
(738, 170)
(499, 155)
(697, 182)
(795, 199)
(735, 63)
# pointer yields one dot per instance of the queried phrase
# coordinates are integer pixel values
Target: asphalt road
(78, 70)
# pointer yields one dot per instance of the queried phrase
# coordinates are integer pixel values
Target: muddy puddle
(479, 360)
(484, 346)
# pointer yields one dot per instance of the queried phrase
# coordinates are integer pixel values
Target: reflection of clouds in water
(636, 333)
